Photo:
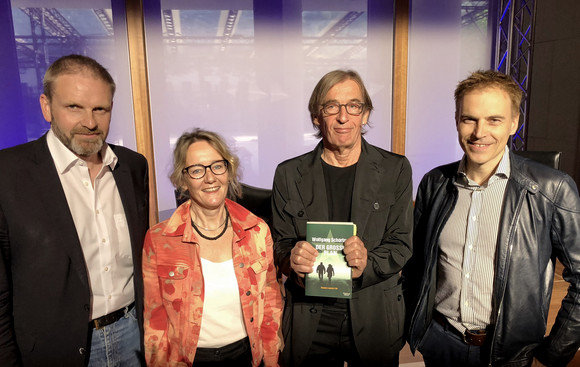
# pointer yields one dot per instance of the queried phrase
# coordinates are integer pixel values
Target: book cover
(331, 277)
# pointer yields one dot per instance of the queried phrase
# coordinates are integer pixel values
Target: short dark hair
(219, 144)
(482, 79)
(73, 64)
(326, 83)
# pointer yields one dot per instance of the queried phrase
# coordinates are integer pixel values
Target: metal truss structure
(50, 29)
(475, 13)
(105, 20)
(513, 55)
(49, 26)
(330, 35)
(224, 34)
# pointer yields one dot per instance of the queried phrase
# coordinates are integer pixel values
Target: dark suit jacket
(382, 210)
(44, 288)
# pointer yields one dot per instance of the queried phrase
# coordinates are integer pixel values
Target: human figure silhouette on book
(320, 270)
(329, 272)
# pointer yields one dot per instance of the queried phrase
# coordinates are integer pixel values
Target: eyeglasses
(197, 171)
(352, 108)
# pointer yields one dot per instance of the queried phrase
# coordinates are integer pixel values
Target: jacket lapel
(53, 201)
(518, 187)
(311, 186)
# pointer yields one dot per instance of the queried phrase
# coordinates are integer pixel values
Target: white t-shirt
(222, 321)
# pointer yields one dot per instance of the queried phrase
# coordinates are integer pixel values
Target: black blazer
(44, 288)
(382, 209)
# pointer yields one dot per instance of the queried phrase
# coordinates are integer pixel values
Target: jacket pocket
(257, 274)
(259, 265)
(296, 211)
(172, 272)
(395, 311)
(173, 280)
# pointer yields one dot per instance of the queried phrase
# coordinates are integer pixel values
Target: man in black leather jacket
(488, 230)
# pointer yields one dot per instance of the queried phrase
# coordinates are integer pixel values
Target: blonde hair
(482, 79)
(217, 142)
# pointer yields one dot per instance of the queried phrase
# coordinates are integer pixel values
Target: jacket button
(248, 293)
(82, 351)
(241, 265)
(313, 310)
(376, 206)
(301, 213)
(399, 297)
(252, 319)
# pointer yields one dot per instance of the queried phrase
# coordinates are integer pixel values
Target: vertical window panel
(43, 31)
(446, 44)
(246, 69)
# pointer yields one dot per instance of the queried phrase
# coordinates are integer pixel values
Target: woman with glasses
(344, 179)
(211, 295)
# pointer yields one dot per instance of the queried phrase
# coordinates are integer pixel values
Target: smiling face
(484, 124)
(342, 131)
(210, 191)
(79, 112)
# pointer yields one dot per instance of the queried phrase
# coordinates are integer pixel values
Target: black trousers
(232, 355)
(442, 347)
(333, 342)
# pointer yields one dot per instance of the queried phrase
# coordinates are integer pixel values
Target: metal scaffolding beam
(52, 21)
(105, 20)
(514, 47)
(330, 34)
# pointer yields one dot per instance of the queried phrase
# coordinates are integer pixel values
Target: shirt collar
(503, 170)
(64, 159)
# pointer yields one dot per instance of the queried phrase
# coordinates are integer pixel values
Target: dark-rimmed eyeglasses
(352, 108)
(197, 171)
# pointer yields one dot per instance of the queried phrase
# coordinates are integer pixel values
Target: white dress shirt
(101, 225)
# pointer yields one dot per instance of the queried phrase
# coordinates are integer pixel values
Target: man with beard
(73, 216)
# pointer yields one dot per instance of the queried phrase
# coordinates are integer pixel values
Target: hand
(356, 255)
(537, 363)
(302, 258)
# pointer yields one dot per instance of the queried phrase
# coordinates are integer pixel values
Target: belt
(108, 319)
(470, 337)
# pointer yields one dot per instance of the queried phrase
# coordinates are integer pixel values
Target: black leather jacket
(540, 221)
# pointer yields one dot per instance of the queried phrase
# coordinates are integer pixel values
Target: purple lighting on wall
(11, 131)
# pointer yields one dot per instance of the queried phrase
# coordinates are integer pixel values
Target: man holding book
(344, 179)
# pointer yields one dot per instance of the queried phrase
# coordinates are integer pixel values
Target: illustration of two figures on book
(321, 270)
(331, 277)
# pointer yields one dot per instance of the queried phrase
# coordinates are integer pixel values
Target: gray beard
(82, 149)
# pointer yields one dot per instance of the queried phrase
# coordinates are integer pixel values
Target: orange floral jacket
(174, 288)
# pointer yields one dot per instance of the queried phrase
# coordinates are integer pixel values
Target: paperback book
(331, 277)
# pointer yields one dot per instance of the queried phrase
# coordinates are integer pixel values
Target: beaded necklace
(225, 224)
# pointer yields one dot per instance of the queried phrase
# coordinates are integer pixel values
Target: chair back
(549, 158)
(258, 201)
(255, 199)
